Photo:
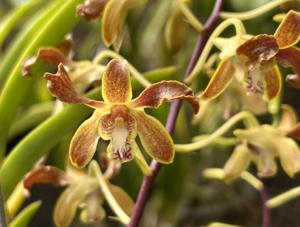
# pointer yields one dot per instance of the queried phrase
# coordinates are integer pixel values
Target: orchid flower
(263, 144)
(113, 13)
(120, 119)
(82, 192)
(255, 61)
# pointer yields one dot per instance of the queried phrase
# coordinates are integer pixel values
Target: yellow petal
(116, 86)
(220, 80)
(288, 32)
(84, 142)
(154, 137)
(288, 118)
(238, 162)
(273, 82)
(289, 155)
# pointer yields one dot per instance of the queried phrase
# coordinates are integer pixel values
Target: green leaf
(38, 142)
(24, 217)
(60, 21)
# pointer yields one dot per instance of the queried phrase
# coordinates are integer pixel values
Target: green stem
(10, 99)
(284, 197)
(249, 121)
(254, 13)
(240, 30)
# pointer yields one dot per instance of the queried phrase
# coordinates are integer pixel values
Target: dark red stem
(148, 181)
(264, 209)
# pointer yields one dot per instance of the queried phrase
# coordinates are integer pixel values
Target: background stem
(265, 210)
(148, 181)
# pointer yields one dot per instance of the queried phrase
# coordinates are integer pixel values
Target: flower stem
(264, 207)
(148, 181)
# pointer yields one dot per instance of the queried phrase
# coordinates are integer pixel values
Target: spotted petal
(116, 86)
(288, 32)
(258, 49)
(60, 86)
(157, 93)
(45, 175)
(290, 57)
(220, 80)
(273, 82)
(49, 55)
(154, 137)
(84, 142)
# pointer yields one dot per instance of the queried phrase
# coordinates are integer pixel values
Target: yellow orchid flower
(263, 144)
(255, 60)
(120, 119)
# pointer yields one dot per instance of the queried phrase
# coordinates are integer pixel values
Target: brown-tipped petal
(289, 154)
(154, 137)
(91, 9)
(113, 21)
(49, 55)
(220, 80)
(273, 82)
(61, 87)
(258, 49)
(288, 119)
(156, 94)
(45, 175)
(69, 200)
(288, 32)
(294, 132)
(123, 199)
(290, 57)
(84, 142)
(116, 85)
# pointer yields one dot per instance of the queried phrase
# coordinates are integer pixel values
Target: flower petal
(116, 86)
(69, 200)
(123, 199)
(266, 165)
(273, 82)
(84, 142)
(294, 132)
(114, 16)
(220, 80)
(45, 175)
(258, 49)
(288, 119)
(238, 162)
(157, 93)
(91, 9)
(154, 137)
(49, 55)
(289, 154)
(288, 32)
(290, 57)
(61, 87)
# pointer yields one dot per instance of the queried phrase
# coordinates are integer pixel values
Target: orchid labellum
(120, 119)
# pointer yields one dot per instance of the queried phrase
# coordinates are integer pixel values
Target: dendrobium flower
(118, 118)
(82, 192)
(263, 144)
(255, 61)
(113, 13)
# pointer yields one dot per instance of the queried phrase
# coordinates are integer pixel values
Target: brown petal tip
(258, 49)
(91, 9)
(45, 175)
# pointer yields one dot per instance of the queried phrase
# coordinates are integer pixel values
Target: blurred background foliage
(181, 197)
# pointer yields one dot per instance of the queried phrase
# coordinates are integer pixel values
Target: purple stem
(265, 210)
(148, 181)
